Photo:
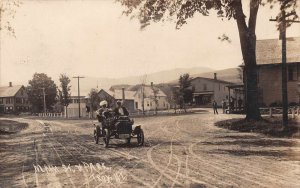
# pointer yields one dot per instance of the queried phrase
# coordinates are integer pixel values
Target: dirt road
(179, 151)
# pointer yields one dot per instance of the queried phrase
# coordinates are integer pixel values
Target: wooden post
(270, 112)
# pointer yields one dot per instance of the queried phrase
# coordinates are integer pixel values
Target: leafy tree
(40, 82)
(143, 83)
(8, 12)
(160, 10)
(65, 91)
(176, 98)
(154, 98)
(94, 99)
(185, 88)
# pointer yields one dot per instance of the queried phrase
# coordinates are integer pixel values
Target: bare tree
(155, 91)
(143, 83)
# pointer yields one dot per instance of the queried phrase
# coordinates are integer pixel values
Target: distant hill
(87, 83)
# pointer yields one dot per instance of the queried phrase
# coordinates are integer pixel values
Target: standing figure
(215, 107)
(224, 106)
(240, 102)
(232, 100)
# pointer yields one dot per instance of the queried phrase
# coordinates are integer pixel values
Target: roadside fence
(54, 115)
(278, 110)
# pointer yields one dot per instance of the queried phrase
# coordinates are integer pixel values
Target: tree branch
(240, 16)
(254, 5)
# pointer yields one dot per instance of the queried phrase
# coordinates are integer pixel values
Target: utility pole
(78, 77)
(282, 26)
(44, 99)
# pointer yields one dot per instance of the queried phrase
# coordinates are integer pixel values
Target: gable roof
(148, 92)
(129, 95)
(269, 51)
(117, 94)
(119, 87)
(214, 80)
(106, 92)
(7, 91)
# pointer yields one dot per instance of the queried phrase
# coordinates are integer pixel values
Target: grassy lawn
(9, 126)
(271, 126)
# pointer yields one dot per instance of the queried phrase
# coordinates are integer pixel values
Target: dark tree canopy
(181, 10)
(94, 99)
(185, 88)
(7, 13)
(35, 88)
(65, 89)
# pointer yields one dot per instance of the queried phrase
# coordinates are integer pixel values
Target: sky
(93, 38)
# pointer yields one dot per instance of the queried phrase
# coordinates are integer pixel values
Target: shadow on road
(250, 145)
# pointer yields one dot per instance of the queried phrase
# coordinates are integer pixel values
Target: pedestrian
(215, 107)
(232, 104)
(240, 102)
(224, 106)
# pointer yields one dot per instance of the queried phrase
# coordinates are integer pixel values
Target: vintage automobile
(118, 127)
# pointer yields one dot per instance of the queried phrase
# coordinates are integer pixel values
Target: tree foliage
(183, 93)
(35, 88)
(94, 99)
(65, 89)
(185, 88)
(7, 13)
(154, 98)
(181, 10)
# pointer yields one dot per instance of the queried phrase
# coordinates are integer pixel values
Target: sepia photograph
(150, 93)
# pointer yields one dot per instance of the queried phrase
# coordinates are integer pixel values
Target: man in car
(102, 110)
(120, 110)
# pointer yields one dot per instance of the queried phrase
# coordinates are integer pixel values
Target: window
(1, 100)
(8, 100)
(19, 100)
(291, 75)
(204, 87)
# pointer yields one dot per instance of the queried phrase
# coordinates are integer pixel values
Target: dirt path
(179, 151)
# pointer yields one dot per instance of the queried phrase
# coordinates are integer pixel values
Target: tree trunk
(248, 41)
(251, 94)
(248, 46)
(66, 111)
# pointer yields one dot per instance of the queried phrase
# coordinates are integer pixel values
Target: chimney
(123, 94)
(10, 84)
(215, 76)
